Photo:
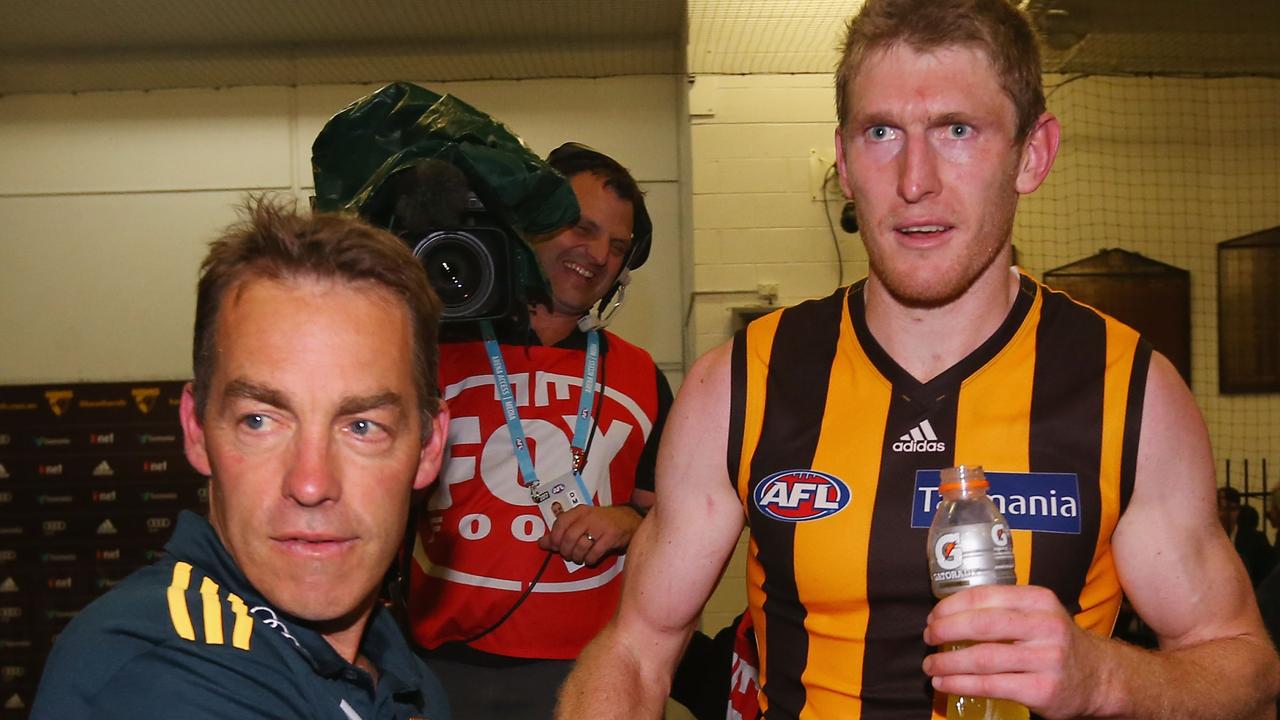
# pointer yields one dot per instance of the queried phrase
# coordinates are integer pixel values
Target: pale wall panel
(713, 140)
(651, 316)
(145, 141)
(774, 103)
(102, 287)
(631, 118)
(109, 200)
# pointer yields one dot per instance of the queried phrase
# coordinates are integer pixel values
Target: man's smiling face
(581, 262)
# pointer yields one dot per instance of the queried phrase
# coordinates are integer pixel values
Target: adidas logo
(920, 438)
(103, 469)
(107, 528)
(14, 703)
(4, 474)
(8, 586)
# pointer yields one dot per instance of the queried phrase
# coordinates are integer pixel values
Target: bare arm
(1183, 578)
(674, 561)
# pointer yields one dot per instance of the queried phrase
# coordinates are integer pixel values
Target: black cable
(826, 210)
(519, 601)
(1064, 83)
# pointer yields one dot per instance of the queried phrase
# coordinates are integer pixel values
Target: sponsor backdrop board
(92, 477)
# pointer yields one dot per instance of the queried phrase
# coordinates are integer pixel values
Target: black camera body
(478, 265)
(470, 265)
(458, 187)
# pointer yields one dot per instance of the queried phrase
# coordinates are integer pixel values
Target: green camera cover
(366, 144)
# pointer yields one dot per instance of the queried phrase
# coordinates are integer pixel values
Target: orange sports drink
(969, 546)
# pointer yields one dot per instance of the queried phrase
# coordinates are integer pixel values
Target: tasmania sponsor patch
(1043, 502)
(800, 495)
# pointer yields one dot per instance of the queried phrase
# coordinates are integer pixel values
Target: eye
(618, 248)
(367, 429)
(254, 421)
(958, 131)
(877, 133)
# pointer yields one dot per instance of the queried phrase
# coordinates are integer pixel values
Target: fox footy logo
(799, 495)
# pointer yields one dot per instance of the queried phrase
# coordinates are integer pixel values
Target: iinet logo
(921, 438)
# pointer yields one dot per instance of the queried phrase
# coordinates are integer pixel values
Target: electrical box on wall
(823, 183)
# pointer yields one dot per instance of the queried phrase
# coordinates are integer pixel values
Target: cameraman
(502, 603)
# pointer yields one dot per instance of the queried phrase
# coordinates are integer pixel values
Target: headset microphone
(607, 309)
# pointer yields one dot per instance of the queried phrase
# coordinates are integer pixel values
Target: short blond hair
(997, 28)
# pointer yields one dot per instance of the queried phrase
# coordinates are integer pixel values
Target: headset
(572, 158)
(608, 305)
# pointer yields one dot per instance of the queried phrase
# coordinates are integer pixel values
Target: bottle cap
(963, 477)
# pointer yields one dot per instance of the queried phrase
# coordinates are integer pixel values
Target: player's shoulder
(1058, 306)
(170, 601)
(807, 320)
(170, 625)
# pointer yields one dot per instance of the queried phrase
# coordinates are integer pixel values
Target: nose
(918, 171)
(312, 478)
(597, 247)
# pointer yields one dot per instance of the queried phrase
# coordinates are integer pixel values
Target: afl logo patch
(800, 495)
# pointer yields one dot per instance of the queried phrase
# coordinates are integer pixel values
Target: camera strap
(511, 415)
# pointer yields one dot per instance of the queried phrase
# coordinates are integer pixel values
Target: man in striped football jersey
(824, 426)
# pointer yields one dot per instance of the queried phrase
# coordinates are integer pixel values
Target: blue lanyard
(582, 427)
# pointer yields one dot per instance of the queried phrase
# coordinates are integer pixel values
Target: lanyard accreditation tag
(568, 490)
(520, 446)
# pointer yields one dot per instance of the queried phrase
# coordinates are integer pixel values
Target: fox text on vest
(800, 495)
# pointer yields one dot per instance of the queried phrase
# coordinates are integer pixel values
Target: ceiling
(84, 45)
(74, 45)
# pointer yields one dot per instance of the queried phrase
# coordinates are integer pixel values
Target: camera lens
(460, 269)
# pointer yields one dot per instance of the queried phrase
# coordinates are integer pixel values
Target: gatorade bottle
(969, 546)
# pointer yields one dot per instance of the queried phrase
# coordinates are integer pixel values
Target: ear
(193, 432)
(432, 455)
(842, 165)
(1038, 152)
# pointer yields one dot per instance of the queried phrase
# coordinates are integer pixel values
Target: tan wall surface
(107, 201)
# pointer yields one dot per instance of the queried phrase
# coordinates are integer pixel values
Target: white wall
(108, 199)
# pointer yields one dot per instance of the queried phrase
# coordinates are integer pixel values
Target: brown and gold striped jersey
(834, 450)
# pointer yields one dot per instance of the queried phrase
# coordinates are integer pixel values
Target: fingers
(1017, 687)
(1025, 648)
(994, 658)
(568, 526)
(1014, 597)
(987, 625)
(581, 534)
(998, 614)
(585, 551)
(586, 534)
(1025, 675)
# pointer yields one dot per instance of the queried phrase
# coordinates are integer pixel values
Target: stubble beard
(943, 289)
(955, 279)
